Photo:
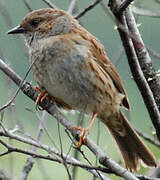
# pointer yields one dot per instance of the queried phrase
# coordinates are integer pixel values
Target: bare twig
(149, 139)
(70, 160)
(51, 5)
(146, 65)
(4, 175)
(118, 23)
(107, 11)
(72, 6)
(63, 158)
(16, 93)
(5, 13)
(91, 6)
(30, 160)
(9, 23)
(43, 170)
(123, 6)
(135, 50)
(153, 53)
(119, 54)
(28, 5)
(146, 12)
(147, 178)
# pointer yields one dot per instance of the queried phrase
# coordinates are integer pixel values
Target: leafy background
(13, 50)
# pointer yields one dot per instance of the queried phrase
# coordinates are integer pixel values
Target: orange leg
(42, 95)
(84, 132)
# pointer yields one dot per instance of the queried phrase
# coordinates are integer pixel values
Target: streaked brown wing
(101, 58)
(104, 62)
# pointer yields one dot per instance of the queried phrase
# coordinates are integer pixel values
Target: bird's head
(44, 23)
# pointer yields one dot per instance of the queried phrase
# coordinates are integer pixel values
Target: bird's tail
(130, 145)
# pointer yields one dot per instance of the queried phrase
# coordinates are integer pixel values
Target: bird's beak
(16, 30)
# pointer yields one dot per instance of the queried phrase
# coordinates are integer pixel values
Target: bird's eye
(35, 22)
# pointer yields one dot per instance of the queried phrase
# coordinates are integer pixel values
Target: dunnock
(71, 65)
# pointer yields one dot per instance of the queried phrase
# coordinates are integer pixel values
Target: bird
(70, 65)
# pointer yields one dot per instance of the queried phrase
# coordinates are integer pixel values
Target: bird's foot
(82, 135)
(84, 132)
(41, 96)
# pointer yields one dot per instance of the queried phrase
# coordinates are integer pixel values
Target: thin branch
(141, 177)
(116, 21)
(28, 5)
(19, 88)
(72, 6)
(146, 12)
(42, 169)
(123, 6)
(5, 13)
(4, 175)
(83, 12)
(63, 158)
(67, 169)
(153, 53)
(30, 160)
(70, 160)
(9, 23)
(106, 10)
(51, 5)
(118, 56)
(146, 65)
(148, 138)
(135, 50)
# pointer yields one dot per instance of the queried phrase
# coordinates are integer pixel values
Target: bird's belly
(73, 89)
(69, 85)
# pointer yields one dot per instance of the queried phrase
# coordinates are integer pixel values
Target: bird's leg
(84, 132)
(41, 96)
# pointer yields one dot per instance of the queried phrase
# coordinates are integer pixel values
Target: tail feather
(133, 150)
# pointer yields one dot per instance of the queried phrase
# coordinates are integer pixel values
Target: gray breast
(64, 75)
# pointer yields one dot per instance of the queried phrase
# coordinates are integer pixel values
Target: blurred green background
(14, 52)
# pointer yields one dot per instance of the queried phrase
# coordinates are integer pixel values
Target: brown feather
(101, 58)
(133, 150)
